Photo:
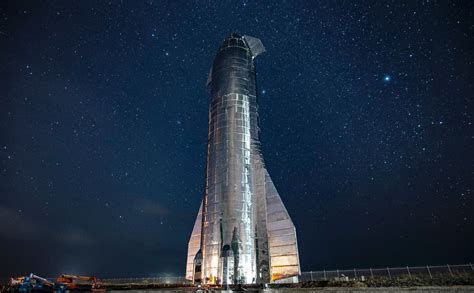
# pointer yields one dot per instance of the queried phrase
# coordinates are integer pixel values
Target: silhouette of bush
(413, 281)
(456, 279)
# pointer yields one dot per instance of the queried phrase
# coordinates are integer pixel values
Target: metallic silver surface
(194, 245)
(246, 235)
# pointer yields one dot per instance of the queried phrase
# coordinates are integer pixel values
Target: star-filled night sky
(366, 117)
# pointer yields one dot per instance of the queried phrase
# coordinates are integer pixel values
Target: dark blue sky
(366, 117)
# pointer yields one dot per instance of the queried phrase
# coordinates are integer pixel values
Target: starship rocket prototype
(243, 233)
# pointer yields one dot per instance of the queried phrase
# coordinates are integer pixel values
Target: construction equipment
(78, 283)
(31, 283)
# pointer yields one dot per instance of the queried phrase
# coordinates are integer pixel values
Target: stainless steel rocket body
(230, 238)
(229, 205)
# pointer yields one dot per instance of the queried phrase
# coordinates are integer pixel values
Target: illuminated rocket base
(243, 233)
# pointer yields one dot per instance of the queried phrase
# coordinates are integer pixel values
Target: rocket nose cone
(235, 35)
(237, 40)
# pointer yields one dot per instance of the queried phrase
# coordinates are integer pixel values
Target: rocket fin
(194, 245)
(255, 45)
(262, 257)
(282, 242)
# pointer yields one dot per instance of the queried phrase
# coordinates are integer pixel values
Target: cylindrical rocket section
(229, 216)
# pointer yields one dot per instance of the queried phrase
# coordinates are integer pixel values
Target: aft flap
(282, 242)
(194, 244)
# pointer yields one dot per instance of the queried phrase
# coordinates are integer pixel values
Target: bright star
(387, 78)
(264, 92)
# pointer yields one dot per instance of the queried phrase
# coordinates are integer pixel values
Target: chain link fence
(361, 274)
(340, 275)
(145, 281)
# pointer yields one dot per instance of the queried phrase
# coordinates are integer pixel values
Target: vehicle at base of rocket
(243, 233)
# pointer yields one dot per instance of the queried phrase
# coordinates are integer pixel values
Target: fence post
(449, 268)
(325, 275)
(472, 269)
(355, 273)
(429, 272)
(408, 270)
(311, 273)
(389, 275)
(371, 273)
(337, 273)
